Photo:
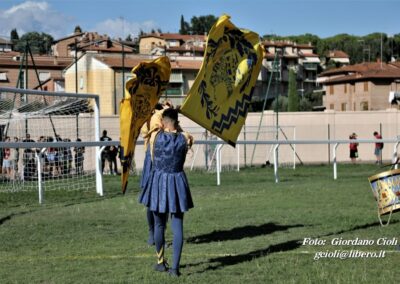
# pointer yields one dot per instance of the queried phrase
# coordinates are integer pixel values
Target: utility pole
(381, 50)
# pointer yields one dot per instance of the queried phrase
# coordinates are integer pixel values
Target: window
(365, 86)
(354, 87)
(3, 76)
(345, 88)
(43, 76)
(364, 106)
(81, 83)
(331, 106)
(331, 89)
(343, 106)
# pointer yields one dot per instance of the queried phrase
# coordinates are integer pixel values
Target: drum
(386, 189)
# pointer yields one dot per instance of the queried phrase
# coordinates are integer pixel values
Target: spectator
(113, 160)
(105, 155)
(16, 157)
(29, 160)
(378, 149)
(7, 161)
(353, 148)
(79, 158)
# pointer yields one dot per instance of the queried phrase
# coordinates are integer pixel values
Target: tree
(14, 37)
(185, 27)
(282, 104)
(201, 25)
(293, 98)
(128, 38)
(39, 43)
(77, 30)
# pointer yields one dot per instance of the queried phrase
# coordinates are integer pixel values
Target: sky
(119, 18)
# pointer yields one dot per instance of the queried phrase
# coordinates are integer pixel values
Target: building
(87, 41)
(47, 67)
(335, 58)
(172, 44)
(105, 74)
(279, 58)
(5, 45)
(363, 86)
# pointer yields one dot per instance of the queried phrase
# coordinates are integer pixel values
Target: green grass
(249, 229)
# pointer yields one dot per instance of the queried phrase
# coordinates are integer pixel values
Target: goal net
(48, 141)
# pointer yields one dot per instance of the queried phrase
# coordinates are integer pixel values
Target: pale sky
(118, 18)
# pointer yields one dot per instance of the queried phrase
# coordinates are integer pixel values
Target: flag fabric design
(142, 93)
(221, 94)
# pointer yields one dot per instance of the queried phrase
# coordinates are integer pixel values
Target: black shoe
(173, 272)
(161, 267)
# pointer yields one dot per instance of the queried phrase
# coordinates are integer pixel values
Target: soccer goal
(49, 141)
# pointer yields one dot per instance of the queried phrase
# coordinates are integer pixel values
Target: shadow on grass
(238, 233)
(221, 262)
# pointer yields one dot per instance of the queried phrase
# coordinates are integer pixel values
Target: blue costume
(166, 190)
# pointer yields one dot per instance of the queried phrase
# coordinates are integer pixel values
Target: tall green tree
(185, 27)
(77, 30)
(14, 37)
(293, 98)
(39, 43)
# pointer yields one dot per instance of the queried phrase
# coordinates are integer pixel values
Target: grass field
(248, 230)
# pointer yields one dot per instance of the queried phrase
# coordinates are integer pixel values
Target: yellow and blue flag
(221, 94)
(142, 93)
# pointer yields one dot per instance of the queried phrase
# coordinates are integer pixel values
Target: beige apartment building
(360, 87)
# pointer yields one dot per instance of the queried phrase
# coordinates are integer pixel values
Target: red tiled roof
(186, 64)
(183, 48)
(277, 43)
(305, 46)
(362, 72)
(305, 54)
(130, 62)
(362, 67)
(395, 64)
(336, 54)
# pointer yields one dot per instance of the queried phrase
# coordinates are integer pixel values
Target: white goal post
(50, 141)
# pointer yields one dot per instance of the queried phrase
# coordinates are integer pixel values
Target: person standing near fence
(378, 149)
(167, 189)
(353, 148)
(105, 155)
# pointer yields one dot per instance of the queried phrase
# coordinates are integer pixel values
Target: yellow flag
(220, 96)
(142, 93)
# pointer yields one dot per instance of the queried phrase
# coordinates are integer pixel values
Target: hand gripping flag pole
(142, 93)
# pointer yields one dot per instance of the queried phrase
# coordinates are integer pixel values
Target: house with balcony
(171, 44)
(335, 59)
(360, 87)
(279, 58)
(5, 45)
